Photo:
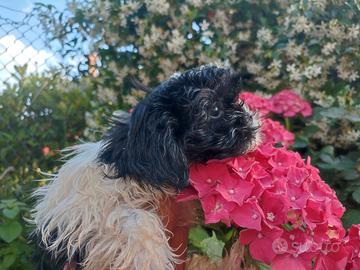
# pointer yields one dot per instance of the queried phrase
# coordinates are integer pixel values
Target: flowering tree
(311, 47)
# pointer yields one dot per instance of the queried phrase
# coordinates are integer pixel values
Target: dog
(102, 208)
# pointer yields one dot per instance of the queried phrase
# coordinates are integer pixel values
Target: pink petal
(249, 215)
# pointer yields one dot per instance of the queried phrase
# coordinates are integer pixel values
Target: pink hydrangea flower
(286, 102)
(266, 190)
(289, 104)
(333, 256)
(234, 189)
(292, 262)
(216, 209)
(274, 132)
(285, 212)
(256, 103)
(249, 215)
(275, 207)
(261, 243)
(204, 178)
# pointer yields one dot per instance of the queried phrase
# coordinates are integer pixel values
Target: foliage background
(312, 47)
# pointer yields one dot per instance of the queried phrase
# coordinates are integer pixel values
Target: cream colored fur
(114, 222)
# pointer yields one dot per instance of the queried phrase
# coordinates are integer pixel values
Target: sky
(16, 49)
(25, 6)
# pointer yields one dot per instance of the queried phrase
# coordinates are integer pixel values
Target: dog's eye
(215, 112)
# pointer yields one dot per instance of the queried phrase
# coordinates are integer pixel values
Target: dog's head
(191, 117)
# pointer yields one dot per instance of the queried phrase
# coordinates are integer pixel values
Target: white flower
(156, 35)
(287, 21)
(129, 8)
(158, 6)
(328, 48)
(254, 68)
(312, 71)
(177, 42)
(275, 64)
(195, 3)
(353, 76)
(294, 50)
(303, 25)
(342, 73)
(320, 4)
(321, 98)
(294, 73)
(184, 9)
(129, 99)
(222, 21)
(204, 25)
(264, 35)
(231, 45)
(345, 70)
(244, 35)
(354, 32)
(168, 66)
(321, 30)
(208, 34)
(336, 31)
(349, 137)
(107, 95)
(261, 80)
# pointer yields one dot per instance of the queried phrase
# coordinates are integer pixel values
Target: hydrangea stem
(287, 123)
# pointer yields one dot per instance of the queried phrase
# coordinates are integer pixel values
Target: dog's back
(108, 222)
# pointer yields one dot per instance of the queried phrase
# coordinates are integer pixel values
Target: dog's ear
(151, 153)
(154, 153)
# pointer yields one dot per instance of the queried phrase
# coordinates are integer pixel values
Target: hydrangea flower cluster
(274, 132)
(287, 215)
(286, 103)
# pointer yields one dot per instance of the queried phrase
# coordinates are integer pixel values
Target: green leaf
(351, 118)
(10, 230)
(310, 130)
(356, 195)
(11, 212)
(263, 266)
(345, 163)
(287, 227)
(350, 175)
(212, 247)
(351, 216)
(326, 158)
(335, 113)
(230, 234)
(7, 261)
(300, 142)
(196, 235)
(329, 149)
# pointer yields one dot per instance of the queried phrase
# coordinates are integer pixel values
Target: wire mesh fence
(25, 47)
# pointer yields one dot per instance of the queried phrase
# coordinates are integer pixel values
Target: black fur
(192, 117)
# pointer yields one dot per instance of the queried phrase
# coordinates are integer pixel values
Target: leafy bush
(39, 115)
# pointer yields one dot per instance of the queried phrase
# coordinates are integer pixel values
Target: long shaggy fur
(111, 222)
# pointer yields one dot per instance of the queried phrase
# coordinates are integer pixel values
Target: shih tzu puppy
(102, 207)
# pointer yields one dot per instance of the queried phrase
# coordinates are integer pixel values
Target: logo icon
(280, 246)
